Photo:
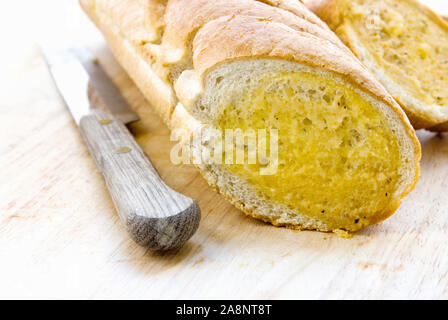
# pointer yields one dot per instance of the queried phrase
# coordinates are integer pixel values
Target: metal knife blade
(73, 69)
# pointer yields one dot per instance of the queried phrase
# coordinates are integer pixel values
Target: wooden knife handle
(155, 215)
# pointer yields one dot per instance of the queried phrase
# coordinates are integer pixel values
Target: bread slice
(404, 44)
(346, 151)
(443, 126)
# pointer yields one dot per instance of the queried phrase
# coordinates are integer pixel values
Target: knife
(155, 216)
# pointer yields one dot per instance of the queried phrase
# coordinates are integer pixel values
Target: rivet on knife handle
(155, 215)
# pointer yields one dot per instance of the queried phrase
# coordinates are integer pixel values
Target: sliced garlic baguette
(347, 154)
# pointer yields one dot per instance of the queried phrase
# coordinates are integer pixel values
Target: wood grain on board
(60, 236)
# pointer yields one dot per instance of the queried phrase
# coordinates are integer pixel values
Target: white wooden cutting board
(61, 238)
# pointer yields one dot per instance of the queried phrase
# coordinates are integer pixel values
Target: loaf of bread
(404, 44)
(347, 153)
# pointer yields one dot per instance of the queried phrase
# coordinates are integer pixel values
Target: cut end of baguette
(344, 158)
(404, 44)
